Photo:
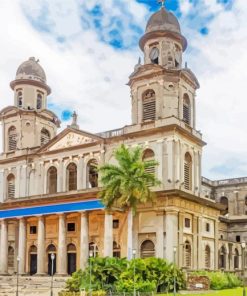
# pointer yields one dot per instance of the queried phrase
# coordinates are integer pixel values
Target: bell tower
(28, 124)
(161, 88)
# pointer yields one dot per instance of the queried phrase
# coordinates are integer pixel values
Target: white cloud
(89, 75)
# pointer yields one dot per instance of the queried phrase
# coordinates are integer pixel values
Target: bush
(221, 280)
(94, 293)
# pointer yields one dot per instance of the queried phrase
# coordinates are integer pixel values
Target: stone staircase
(31, 286)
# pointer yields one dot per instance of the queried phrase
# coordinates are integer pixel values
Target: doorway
(71, 258)
(52, 264)
(33, 260)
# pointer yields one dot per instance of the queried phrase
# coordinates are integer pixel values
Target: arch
(224, 201)
(52, 264)
(116, 250)
(147, 249)
(33, 259)
(222, 257)
(52, 180)
(92, 247)
(39, 101)
(148, 105)
(12, 138)
(187, 254)
(11, 258)
(45, 137)
(186, 109)
(11, 186)
(207, 257)
(187, 171)
(71, 176)
(92, 173)
(71, 258)
(236, 258)
(19, 99)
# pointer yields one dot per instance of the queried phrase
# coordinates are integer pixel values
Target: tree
(127, 184)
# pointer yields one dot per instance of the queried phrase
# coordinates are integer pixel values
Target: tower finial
(74, 123)
(162, 2)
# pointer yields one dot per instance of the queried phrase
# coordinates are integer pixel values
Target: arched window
(116, 250)
(222, 257)
(12, 138)
(44, 137)
(207, 257)
(147, 249)
(154, 55)
(148, 105)
(11, 257)
(186, 109)
(11, 186)
(187, 254)
(224, 201)
(19, 99)
(187, 172)
(92, 173)
(148, 155)
(72, 177)
(39, 101)
(92, 247)
(52, 180)
(236, 259)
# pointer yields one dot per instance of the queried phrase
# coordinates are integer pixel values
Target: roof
(32, 70)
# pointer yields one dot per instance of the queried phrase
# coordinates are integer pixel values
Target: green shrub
(94, 293)
(221, 280)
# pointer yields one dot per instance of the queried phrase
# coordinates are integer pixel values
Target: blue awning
(52, 209)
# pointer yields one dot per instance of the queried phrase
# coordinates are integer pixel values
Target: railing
(225, 181)
(111, 133)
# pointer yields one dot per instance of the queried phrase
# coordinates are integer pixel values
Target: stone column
(41, 246)
(4, 247)
(216, 244)
(2, 185)
(84, 240)
(130, 235)
(171, 233)
(200, 262)
(80, 174)
(60, 176)
(195, 243)
(170, 147)
(180, 239)
(62, 250)
(108, 236)
(22, 245)
(160, 235)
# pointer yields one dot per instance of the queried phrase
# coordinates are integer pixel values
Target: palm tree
(127, 184)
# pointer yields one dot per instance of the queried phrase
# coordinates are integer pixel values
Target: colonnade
(61, 269)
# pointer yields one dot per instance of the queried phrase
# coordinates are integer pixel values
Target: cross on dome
(162, 2)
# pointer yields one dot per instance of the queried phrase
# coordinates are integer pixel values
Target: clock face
(154, 53)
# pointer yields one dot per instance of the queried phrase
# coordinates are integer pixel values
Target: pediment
(71, 138)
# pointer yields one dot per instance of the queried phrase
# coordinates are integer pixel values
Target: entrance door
(33, 264)
(71, 263)
(50, 264)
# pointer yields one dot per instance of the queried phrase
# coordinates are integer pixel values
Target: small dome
(163, 20)
(31, 69)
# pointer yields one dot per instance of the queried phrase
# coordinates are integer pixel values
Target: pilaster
(41, 246)
(171, 233)
(4, 247)
(84, 240)
(22, 245)
(62, 251)
(108, 235)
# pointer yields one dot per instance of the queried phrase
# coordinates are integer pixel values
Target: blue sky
(89, 48)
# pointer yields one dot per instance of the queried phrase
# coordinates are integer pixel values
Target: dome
(163, 20)
(31, 69)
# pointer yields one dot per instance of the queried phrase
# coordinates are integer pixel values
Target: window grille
(44, 137)
(11, 186)
(52, 180)
(39, 101)
(186, 109)
(149, 105)
(12, 139)
(187, 254)
(147, 249)
(149, 156)
(72, 176)
(207, 257)
(187, 172)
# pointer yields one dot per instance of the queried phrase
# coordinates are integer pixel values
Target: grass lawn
(231, 292)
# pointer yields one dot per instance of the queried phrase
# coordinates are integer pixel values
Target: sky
(89, 48)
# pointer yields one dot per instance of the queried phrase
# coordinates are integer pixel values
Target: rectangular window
(71, 227)
(33, 229)
(187, 222)
(207, 227)
(115, 224)
(238, 238)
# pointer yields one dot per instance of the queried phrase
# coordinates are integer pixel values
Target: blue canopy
(52, 209)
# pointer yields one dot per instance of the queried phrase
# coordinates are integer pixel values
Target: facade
(49, 183)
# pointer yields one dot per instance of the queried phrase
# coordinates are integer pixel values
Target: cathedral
(50, 213)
